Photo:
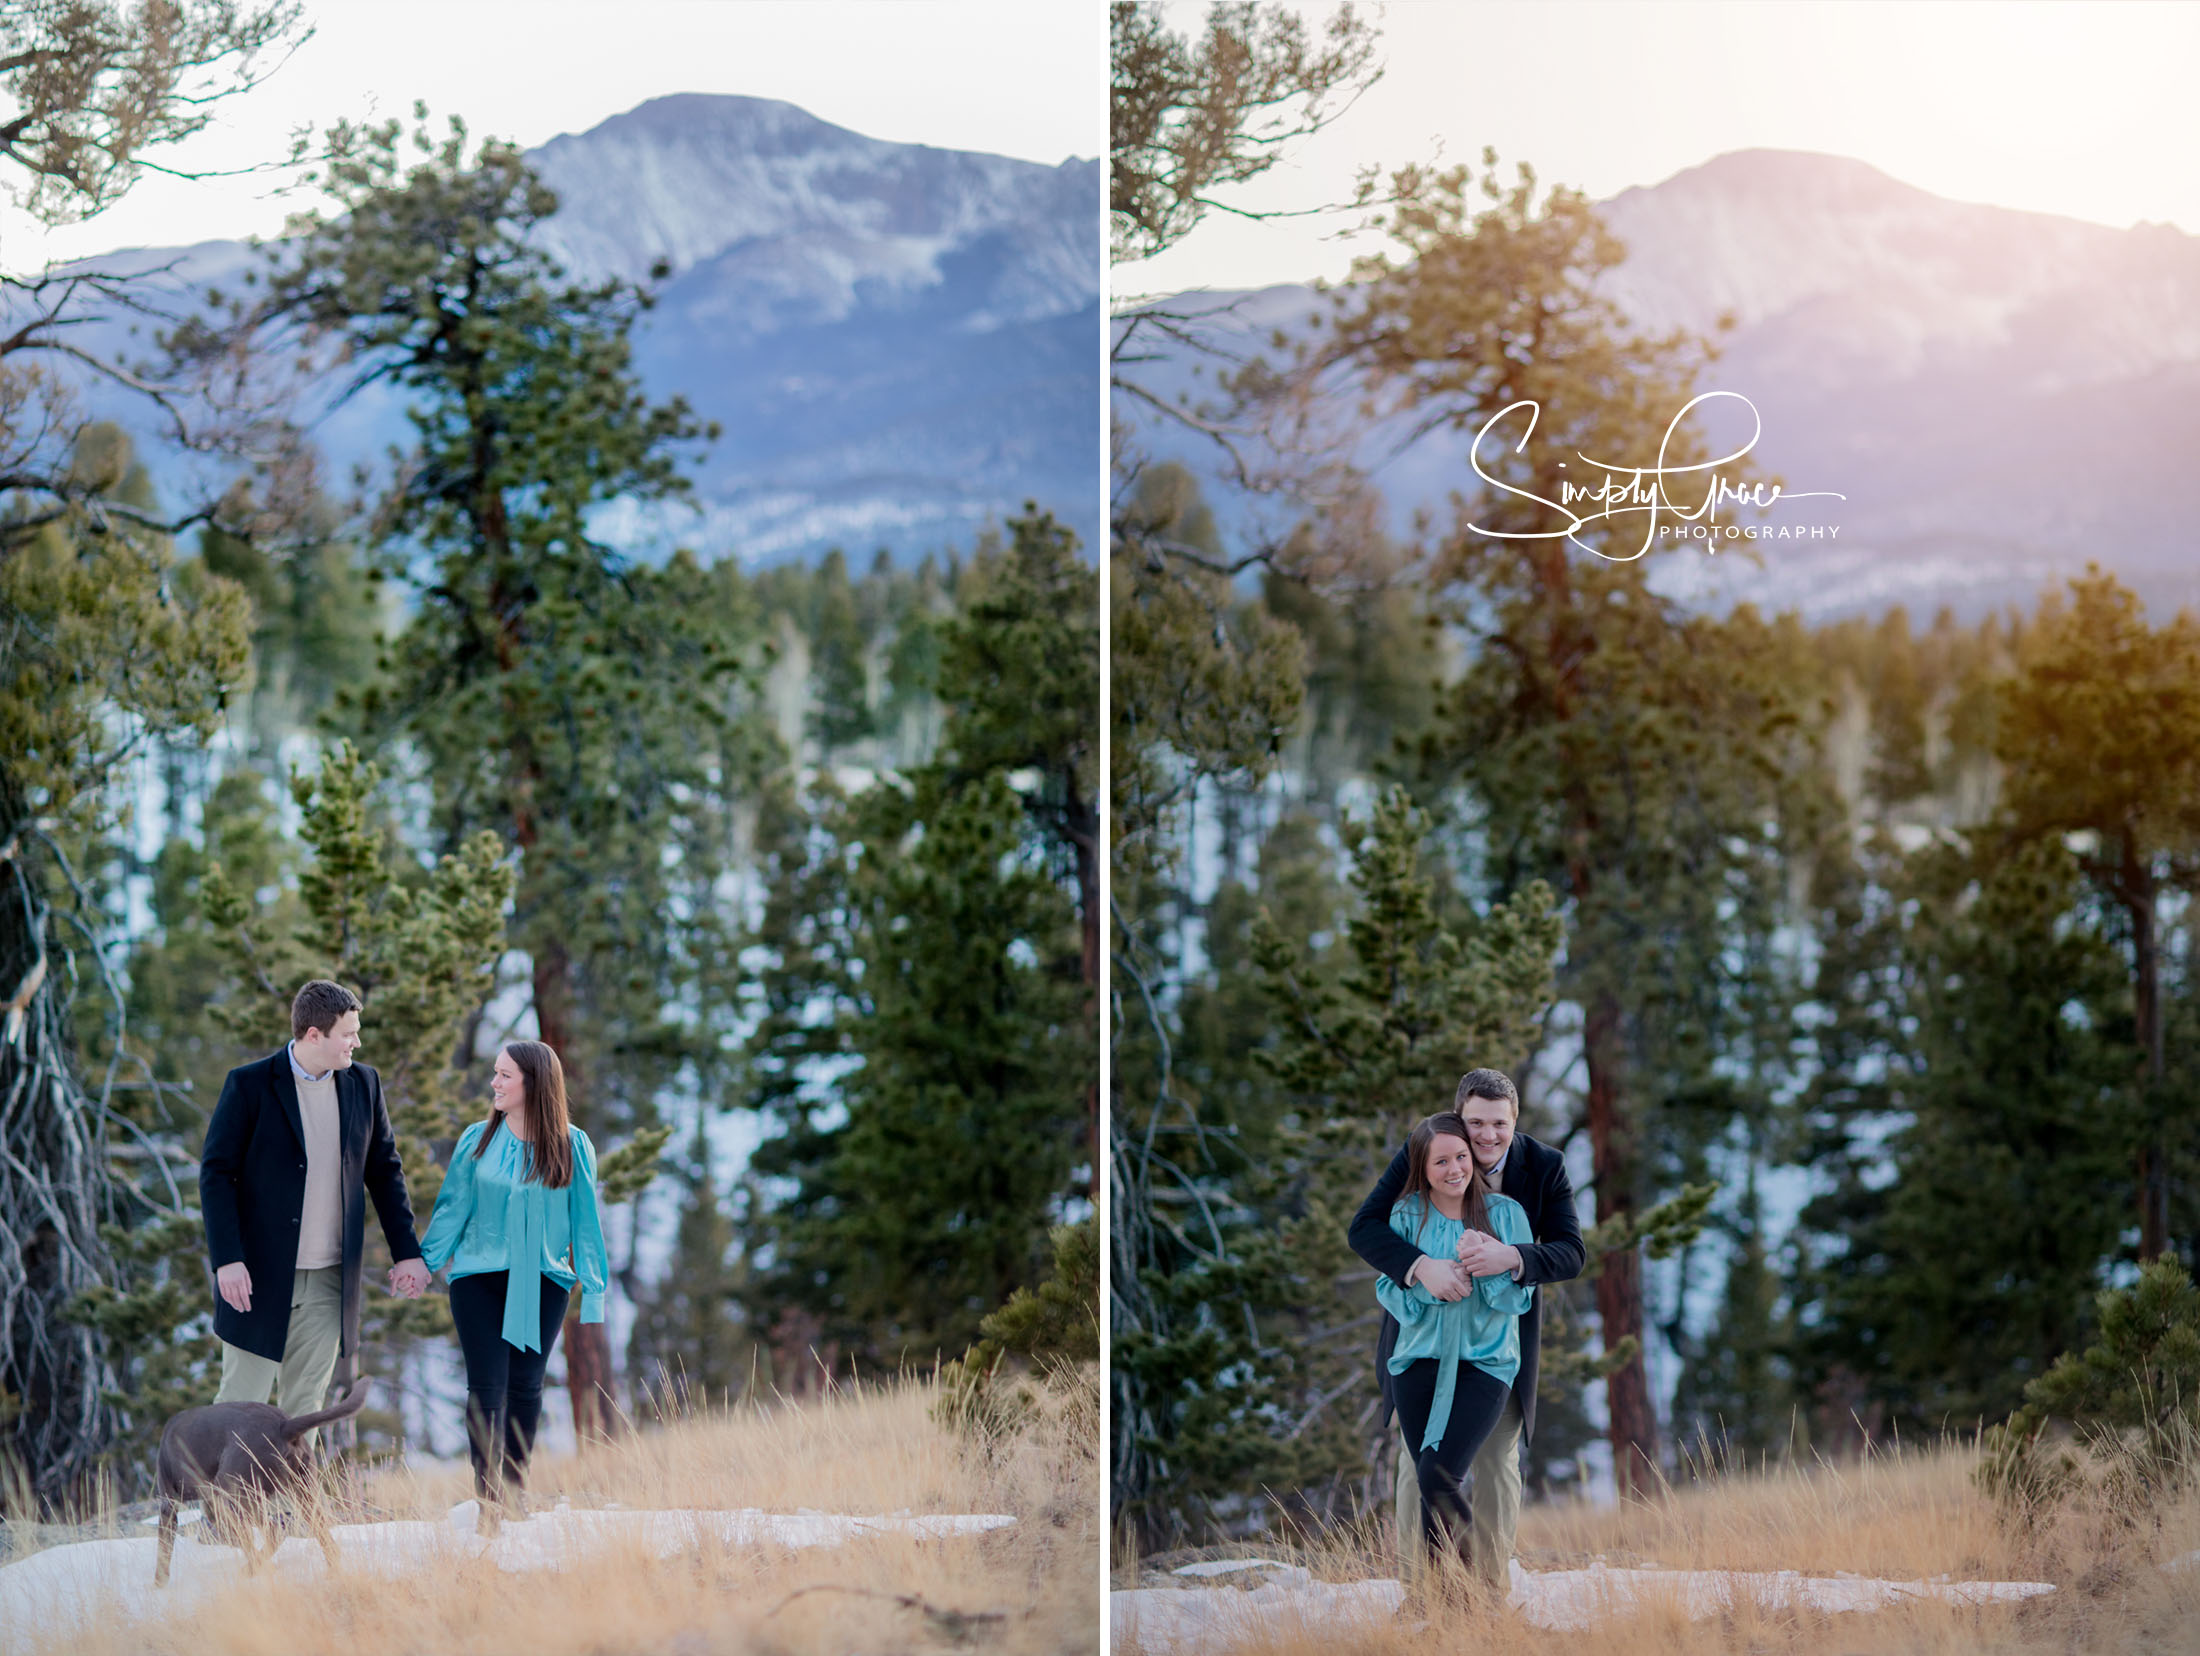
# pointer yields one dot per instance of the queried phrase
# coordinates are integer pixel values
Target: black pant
(1477, 1403)
(503, 1383)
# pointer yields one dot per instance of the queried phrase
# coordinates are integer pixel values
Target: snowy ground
(1190, 1621)
(50, 1591)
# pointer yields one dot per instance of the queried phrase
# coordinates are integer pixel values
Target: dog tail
(354, 1401)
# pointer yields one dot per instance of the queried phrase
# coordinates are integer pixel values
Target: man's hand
(234, 1283)
(1481, 1255)
(409, 1278)
(1442, 1278)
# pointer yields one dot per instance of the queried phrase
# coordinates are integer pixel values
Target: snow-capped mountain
(901, 343)
(813, 211)
(2001, 396)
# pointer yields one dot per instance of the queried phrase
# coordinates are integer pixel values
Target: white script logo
(1625, 490)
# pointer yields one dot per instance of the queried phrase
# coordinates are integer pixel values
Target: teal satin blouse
(491, 1216)
(1482, 1329)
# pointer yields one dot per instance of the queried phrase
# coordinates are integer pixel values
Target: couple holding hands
(1469, 1217)
(298, 1144)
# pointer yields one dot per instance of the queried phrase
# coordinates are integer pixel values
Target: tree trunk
(1633, 1417)
(56, 1189)
(2136, 879)
(1084, 838)
(588, 1374)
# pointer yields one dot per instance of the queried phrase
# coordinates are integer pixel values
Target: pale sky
(2086, 110)
(1011, 77)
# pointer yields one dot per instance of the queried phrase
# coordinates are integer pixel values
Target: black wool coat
(1535, 1177)
(252, 1192)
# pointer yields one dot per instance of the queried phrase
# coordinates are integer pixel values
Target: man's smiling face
(1489, 1128)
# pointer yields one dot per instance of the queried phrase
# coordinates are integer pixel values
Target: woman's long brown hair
(1476, 1212)
(542, 1080)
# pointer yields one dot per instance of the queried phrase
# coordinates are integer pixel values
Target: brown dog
(225, 1454)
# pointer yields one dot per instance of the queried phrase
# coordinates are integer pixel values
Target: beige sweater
(321, 1224)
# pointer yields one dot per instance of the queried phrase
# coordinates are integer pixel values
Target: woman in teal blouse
(517, 1223)
(1456, 1361)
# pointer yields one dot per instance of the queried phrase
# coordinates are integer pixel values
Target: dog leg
(238, 1526)
(167, 1540)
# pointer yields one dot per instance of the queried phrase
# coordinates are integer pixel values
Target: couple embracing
(299, 1143)
(1468, 1219)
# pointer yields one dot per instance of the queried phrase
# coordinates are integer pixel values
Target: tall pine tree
(597, 714)
(926, 1044)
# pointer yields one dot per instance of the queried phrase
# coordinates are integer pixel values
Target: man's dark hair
(1486, 1083)
(319, 1005)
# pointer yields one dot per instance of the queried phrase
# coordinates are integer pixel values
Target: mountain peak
(1755, 233)
(720, 120)
(691, 176)
(1784, 171)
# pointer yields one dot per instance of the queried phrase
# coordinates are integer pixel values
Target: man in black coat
(298, 1142)
(1534, 1175)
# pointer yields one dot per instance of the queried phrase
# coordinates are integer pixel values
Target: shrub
(2132, 1397)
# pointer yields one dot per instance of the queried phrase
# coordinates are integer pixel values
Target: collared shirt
(300, 1071)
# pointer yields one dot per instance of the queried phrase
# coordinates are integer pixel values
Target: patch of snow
(103, 1582)
(1193, 1621)
(1233, 1566)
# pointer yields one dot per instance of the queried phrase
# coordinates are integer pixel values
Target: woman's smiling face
(507, 1090)
(1450, 1164)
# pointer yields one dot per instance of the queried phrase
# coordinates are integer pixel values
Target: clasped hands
(408, 1280)
(1479, 1255)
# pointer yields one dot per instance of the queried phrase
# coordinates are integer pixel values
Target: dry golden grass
(1906, 1517)
(860, 1451)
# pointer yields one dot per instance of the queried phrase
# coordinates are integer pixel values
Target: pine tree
(103, 655)
(319, 611)
(597, 715)
(2133, 1395)
(691, 1346)
(1360, 1056)
(1205, 692)
(1019, 668)
(926, 1042)
(1634, 759)
(928, 1173)
(1191, 116)
(1957, 1283)
(2100, 731)
(1738, 1399)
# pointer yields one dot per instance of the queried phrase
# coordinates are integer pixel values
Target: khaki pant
(1494, 1496)
(300, 1380)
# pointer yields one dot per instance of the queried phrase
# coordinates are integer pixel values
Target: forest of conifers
(1852, 963)
(811, 853)
(1884, 929)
